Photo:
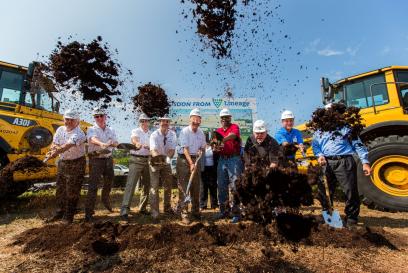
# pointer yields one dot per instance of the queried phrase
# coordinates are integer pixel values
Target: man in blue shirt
(336, 149)
(288, 135)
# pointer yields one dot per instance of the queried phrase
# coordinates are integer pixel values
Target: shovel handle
(326, 187)
(187, 193)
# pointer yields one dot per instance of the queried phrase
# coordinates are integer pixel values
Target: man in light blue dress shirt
(336, 149)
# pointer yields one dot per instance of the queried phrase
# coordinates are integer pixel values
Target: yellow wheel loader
(28, 120)
(382, 95)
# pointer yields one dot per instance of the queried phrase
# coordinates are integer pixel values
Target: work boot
(89, 218)
(108, 206)
(351, 224)
(124, 217)
(144, 212)
(58, 216)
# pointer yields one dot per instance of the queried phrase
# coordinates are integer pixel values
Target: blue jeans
(228, 171)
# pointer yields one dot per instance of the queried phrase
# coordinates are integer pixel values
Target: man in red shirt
(230, 165)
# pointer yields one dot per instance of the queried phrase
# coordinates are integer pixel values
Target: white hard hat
(259, 126)
(287, 114)
(225, 112)
(195, 112)
(143, 116)
(328, 106)
(98, 111)
(165, 117)
(71, 114)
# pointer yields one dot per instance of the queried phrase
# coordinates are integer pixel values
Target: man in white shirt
(101, 139)
(69, 144)
(162, 148)
(192, 143)
(138, 167)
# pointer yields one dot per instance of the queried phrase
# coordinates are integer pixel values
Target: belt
(337, 157)
(184, 157)
(142, 156)
(73, 160)
(229, 156)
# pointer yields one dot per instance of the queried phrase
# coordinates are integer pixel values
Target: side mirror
(326, 90)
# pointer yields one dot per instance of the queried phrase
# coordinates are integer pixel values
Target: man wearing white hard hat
(69, 144)
(287, 135)
(191, 144)
(261, 148)
(162, 145)
(101, 139)
(229, 166)
(138, 167)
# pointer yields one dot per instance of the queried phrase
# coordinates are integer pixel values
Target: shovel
(187, 199)
(330, 216)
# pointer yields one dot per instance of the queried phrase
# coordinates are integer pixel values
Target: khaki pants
(70, 175)
(160, 173)
(183, 173)
(138, 169)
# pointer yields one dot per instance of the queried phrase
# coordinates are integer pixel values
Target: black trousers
(344, 172)
(208, 185)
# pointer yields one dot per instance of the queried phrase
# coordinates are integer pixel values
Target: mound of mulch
(26, 164)
(174, 248)
(151, 100)
(88, 68)
(336, 117)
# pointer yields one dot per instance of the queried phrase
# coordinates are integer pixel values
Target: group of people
(211, 165)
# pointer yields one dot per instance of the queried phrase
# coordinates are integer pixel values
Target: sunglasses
(99, 116)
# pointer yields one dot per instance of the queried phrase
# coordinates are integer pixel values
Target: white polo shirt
(75, 136)
(192, 140)
(157, 142)
(104, 135)
(144, 139)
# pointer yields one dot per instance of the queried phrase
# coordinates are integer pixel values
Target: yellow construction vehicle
(382, 96)
(28, 120)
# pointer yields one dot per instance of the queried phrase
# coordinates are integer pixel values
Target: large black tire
(373, 196)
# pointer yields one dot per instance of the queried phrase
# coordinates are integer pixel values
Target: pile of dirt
(276, 194)
(336, 117)
(151, 100)
(173, 248)
(87, 68)
(26, 164)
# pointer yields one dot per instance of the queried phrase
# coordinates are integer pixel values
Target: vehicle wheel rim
(390, 175)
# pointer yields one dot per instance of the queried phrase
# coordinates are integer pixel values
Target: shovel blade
(333, 219)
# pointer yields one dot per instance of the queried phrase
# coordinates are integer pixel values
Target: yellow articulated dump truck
(382, 96)
(28, 120)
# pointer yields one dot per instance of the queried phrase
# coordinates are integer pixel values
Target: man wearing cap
(335, 150)
(287, 135)
(101, 139)
(192, 144)
(69, 144)
(261, 148)
(229, 165)
(138, 167)
(162, 147)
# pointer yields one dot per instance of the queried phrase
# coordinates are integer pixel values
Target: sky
(299, 42)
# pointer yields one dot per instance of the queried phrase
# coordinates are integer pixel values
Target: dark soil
(25, 164)
(87, 68)
(337, 117)
(215, 23)
(152, 100)
(156, 247)
(268, 195)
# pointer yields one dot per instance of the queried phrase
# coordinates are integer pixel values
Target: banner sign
(243, 111)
